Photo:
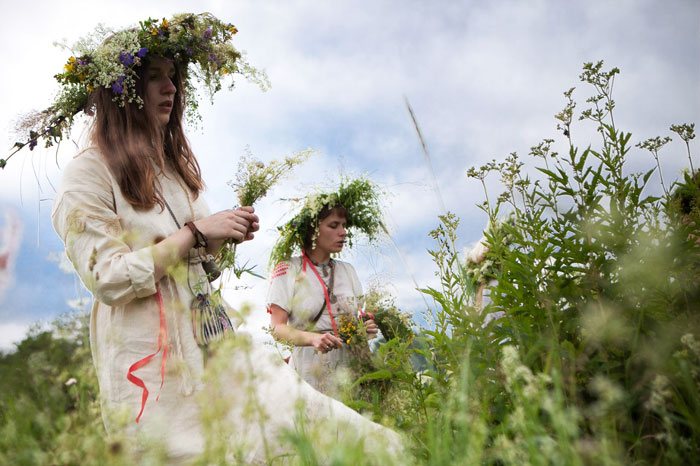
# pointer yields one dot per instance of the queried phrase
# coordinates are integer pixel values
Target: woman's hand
(371, 328)
(325, 342)
(239, 225)
(254, 223)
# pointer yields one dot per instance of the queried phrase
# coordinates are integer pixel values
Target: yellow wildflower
(70, 66)
(165, 24)
(232, 29)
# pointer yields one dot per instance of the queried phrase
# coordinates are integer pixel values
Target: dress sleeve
(85, 219)
(281, 288)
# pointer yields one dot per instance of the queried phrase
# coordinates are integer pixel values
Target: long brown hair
(132, 143)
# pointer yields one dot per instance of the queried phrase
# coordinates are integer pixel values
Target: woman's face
(331, 233)
(160, 90)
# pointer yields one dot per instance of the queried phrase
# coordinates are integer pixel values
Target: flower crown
(111, 60)
(360, 197)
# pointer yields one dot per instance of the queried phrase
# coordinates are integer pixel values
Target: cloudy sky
(484, 79)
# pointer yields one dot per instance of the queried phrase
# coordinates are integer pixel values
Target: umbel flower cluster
(359, 196)
(199, 43)
(254, 179)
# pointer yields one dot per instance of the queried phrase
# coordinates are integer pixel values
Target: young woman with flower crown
(309, 294)
(138, 232)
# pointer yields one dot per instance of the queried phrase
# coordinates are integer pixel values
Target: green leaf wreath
(359, 196)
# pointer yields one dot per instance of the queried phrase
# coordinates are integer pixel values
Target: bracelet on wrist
(200, 241)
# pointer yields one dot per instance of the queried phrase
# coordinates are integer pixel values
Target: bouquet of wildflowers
(391, 321)
(351, 330)
(253, 180)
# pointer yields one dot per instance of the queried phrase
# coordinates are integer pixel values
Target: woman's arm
(85, 219)
(323, 342)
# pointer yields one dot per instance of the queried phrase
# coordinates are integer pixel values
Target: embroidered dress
(109, 244)
(298, 291)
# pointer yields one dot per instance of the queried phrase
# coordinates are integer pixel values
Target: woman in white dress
(138, 233)
(308, 294)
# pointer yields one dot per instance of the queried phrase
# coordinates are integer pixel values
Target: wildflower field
(587, 352)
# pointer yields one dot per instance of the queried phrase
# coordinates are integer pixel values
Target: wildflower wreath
(199, 43)
(360, 197)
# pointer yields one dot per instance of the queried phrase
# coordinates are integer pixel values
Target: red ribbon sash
(325, 291)
(162, 344)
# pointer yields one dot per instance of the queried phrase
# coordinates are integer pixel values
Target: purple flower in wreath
(206, 35)
(126, 59)
(188, 51)
(117, 88)
(121, 79)
(81, 62)
(142, 52)
(213, 58)
(32, 144)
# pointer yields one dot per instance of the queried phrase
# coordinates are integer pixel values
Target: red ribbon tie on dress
(325, 291)
(162, 344)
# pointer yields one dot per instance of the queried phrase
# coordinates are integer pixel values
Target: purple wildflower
(188, 51)
(32, 144)
(81, 62)
(121, 79)
(207, 34)
(117, 88)
(142, 52)
(126, 59)
(213, 58)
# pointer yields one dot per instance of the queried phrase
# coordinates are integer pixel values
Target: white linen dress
(298, 291)
(109, 244)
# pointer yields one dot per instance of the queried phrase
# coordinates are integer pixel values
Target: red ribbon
(162, 344)
(325, 291)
